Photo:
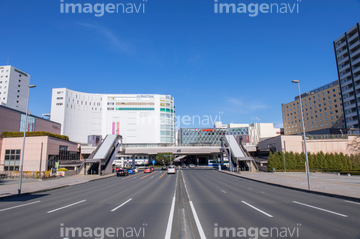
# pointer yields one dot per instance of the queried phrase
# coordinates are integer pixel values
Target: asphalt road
(191, 204)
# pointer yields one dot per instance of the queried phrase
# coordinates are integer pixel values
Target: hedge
(317, 162)
(7, 134)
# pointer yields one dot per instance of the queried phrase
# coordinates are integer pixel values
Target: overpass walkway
(101, 160)
(237, 155)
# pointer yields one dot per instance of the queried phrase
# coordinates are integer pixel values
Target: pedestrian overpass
(104, 154)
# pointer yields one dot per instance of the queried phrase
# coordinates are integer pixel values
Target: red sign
(208, 130)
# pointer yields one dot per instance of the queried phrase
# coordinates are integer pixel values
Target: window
(12, 160)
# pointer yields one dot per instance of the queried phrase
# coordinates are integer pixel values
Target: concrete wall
(295, 144)
(9, 120)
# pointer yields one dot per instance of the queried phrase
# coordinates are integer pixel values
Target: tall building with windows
(140, 119)
(323, 111)
(14, 85)
(347, 52)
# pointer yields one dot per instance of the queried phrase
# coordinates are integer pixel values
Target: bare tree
(354, 146)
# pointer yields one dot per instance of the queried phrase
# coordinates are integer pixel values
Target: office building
(347, 52)
(14, 86)
(138, 118)
(323, 111)
(14, 121)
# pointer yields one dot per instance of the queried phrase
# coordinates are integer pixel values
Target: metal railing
(326, 136)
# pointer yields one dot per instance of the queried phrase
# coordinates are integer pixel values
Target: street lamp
(23, 146)
(303, 127)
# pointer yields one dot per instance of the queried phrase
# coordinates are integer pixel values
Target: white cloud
(246, 105)
(115, 42)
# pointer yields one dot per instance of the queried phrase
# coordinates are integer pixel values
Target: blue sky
(237, 65)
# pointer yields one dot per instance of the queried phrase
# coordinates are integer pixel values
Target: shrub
(7, 134)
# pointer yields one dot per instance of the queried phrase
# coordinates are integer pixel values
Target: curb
(50, 189)
(297, 189)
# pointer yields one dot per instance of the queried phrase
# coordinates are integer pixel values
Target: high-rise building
(347, 52)
(140, 119)
(14, 85)
(322, 108)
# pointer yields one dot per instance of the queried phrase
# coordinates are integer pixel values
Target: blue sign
(153, 162)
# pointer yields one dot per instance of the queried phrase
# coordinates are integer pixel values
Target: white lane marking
(171, 215)
(353, 202)
(5, 209)
(223, 191)
(267, 214)
(262, 192)
(66, 206)
(250, 188)
(186, 187)
(198, 224)
(321, 209)
(197, 221)
(121, 205)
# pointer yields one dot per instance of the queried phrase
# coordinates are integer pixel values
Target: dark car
(122, 172)
(152, 169)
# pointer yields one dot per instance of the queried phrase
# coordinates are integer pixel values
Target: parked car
(163, 167)
(191, 166)
(122, 172)
(171, 169)
(147, 170)
(183, 165)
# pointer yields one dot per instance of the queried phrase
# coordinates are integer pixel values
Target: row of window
(130, 103)
(73, 107)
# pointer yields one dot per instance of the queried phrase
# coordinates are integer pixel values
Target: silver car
(171, 169)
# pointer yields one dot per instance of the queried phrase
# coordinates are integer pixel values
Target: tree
(354, 146)
(162, 158)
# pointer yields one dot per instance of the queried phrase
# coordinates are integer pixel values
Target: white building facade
(140, 119)
(14, 86)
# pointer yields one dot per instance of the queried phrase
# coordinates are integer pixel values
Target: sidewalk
(11, 188)
(323, 183)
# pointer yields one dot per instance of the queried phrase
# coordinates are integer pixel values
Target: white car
(136, 170)
(171, 169)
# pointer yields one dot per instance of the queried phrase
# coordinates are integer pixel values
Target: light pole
(303, 127)
(23, 146)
